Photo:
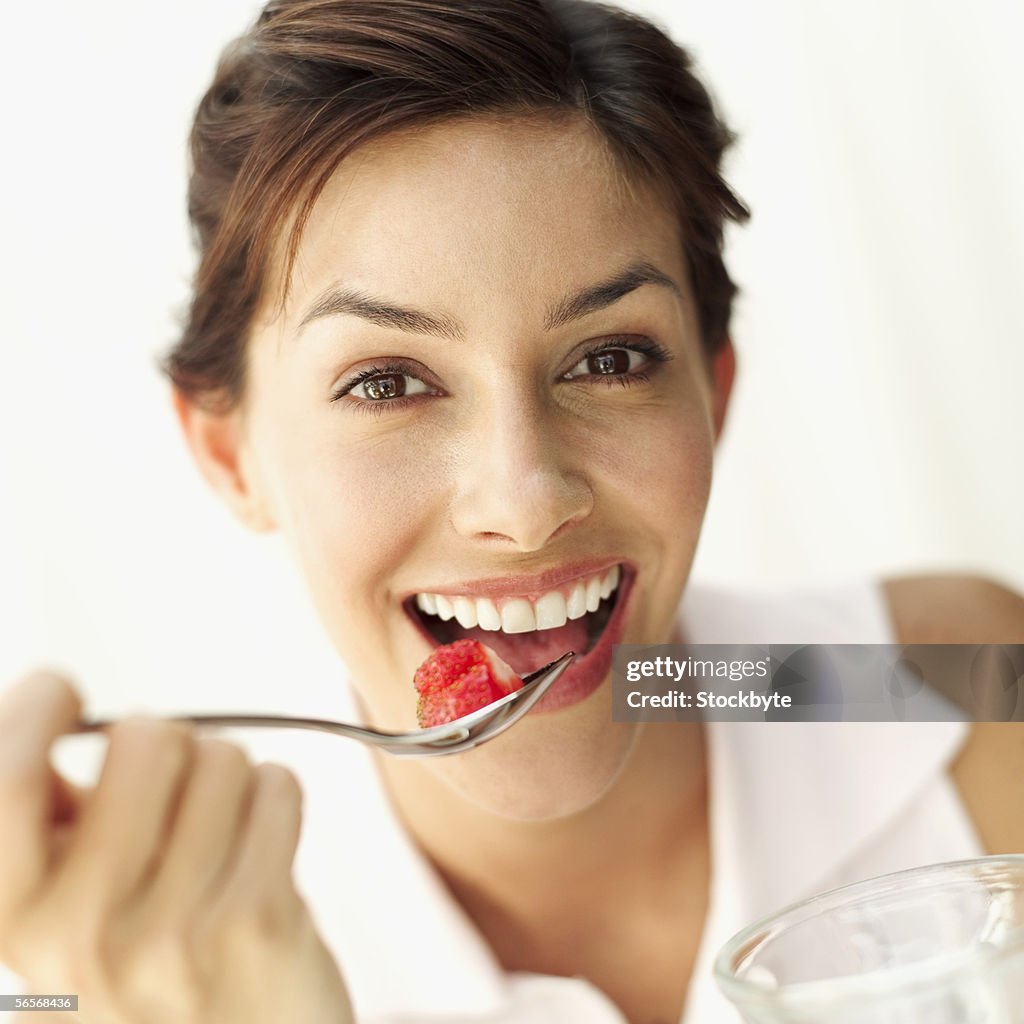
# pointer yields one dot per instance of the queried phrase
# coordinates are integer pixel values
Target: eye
(384, 384)
(384, 387)
(618, 360)
(610, 361)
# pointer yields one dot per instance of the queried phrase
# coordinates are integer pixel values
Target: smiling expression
(486, 385)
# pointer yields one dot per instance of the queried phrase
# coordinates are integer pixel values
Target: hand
(164, 894)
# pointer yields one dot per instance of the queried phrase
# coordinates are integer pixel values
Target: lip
(529, 585)
(586, 673)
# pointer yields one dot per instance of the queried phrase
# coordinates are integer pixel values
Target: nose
(515, 479)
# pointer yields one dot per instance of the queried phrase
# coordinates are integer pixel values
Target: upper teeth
(523, 614)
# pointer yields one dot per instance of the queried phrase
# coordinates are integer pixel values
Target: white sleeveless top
(795, 808)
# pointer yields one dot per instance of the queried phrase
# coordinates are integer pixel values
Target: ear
(219, 446)
(723, 373)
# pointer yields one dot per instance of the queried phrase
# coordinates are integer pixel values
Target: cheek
(659, 459)
(353, 508)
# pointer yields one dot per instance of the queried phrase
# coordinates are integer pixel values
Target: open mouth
(527, 632)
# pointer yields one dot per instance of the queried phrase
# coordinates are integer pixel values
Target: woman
(460, 332)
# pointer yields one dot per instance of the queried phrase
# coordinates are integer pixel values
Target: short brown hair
(314, 79)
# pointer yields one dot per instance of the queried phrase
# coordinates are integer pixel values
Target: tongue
(526, 652)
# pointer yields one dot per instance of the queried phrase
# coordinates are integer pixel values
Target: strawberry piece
(459, 678)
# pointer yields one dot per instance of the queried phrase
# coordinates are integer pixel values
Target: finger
(68, 799)
(258, 876)
(33, 713)
(123, 824)
(205, 829)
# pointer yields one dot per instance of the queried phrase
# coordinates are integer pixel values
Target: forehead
(504, 207)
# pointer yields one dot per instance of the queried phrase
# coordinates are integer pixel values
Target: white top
(796, 808)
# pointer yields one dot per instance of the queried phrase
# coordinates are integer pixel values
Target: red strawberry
(459, 678)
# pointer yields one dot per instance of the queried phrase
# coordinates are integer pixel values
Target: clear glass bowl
(942, 944)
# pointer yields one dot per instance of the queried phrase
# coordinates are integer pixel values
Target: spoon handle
(449, 737)
(264, 721)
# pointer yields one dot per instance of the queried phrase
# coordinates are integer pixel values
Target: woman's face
(486, 383)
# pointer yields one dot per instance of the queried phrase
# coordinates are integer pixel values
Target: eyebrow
(600, 296)
(340, 300)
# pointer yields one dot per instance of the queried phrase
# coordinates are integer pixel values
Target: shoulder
(989, 768)
(951, 609)
(989, 774)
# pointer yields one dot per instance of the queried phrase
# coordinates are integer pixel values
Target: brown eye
(386, 387)
(380, 388)
(609, 362)
(615, 360)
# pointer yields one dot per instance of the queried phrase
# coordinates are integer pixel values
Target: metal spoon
(451, 738)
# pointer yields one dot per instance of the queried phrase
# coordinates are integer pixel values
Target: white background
(876, 425)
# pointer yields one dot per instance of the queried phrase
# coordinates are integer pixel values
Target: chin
(548, 766)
